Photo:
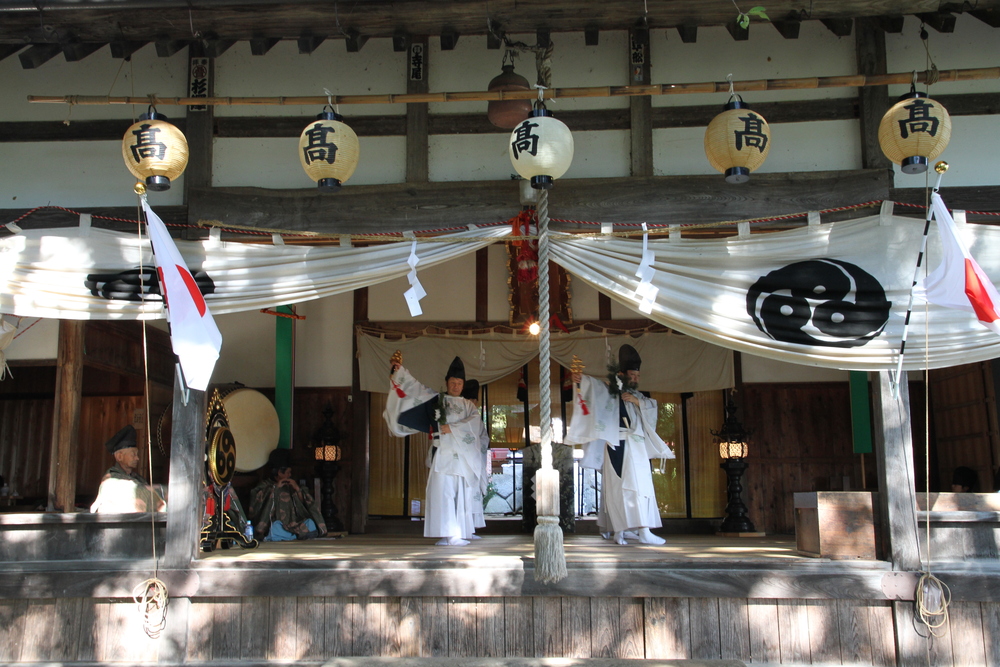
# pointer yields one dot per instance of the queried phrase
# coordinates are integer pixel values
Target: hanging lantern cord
(732, 90)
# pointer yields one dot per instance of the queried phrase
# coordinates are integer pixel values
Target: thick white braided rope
(544, 359)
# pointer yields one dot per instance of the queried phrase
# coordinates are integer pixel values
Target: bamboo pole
(807, 83)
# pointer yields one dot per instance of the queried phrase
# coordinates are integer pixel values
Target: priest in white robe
(617, 427)
(453, 423)
(477, 491)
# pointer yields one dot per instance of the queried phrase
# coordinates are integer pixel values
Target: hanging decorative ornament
(155, 151)
(737, 141)
(328, 150)
(914, 131)
(506, 114)
(541, 148)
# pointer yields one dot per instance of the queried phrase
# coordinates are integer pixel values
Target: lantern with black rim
(737, 141)
(541, 148)
(328, 150)
(733, 449)
(914, 131)
(155, 151)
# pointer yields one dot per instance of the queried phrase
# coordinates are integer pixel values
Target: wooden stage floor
(586, 548)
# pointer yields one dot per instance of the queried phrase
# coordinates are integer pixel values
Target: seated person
(122, 489)
(964, 480)
(279, 508)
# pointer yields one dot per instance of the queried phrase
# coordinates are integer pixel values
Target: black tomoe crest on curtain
(819, 302)
(138, 284)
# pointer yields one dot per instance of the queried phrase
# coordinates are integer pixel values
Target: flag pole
(940, 168)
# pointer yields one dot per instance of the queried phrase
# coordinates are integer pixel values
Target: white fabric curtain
(831, 295)
(43, 273)
(673, 362)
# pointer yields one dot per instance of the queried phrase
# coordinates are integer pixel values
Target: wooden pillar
(482, 285)
(66, 417)
(873, 101)
(359, 426)
(417, 170)
(187, 470)
(199, 128)
(641, 107)
(897, 503)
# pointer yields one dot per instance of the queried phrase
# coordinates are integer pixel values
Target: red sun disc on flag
(192, 286)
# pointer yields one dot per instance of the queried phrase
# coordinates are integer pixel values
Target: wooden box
(835, 524)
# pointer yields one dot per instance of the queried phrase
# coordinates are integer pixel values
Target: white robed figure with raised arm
(617, 427)
(453, 423)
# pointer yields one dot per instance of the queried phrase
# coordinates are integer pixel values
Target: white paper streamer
(416, 291)
(645, 291)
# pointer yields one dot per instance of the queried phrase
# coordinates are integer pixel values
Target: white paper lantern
(914, 131)
(737, 141)
(329, 150)
(541, 149)
(155, 151)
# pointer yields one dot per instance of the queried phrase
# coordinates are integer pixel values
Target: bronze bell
(506, 114)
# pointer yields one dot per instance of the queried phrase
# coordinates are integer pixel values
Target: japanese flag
(193, 335)
(958, 281)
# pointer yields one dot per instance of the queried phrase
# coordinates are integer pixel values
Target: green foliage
(491, 491)
(743, 18)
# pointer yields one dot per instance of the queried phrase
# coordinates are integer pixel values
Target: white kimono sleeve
(404, 393)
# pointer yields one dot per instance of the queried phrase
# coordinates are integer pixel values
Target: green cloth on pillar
(861, 421)
(284, 374)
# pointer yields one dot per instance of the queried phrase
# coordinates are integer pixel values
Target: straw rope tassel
(550, 560)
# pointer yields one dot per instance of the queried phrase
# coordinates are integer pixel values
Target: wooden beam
(869, 42)
(892, 24)
(967, 104)
(967, 198)
(449, 38)
(603, 306)
(788, 28)
(259, 46)
(941, 21)
(125, 48)
(37, 55)
(77, 51)
(215, 47)
(187, 472)
(199, 130)
(990, 17)
(894, 457)
(592, 35)
(417, 162)
(412, 206)
(66, 417)
(640, 108)
(167, 47)
(839, 27)
(354, 40)
(400, 42)
(360, 454)
(543, 37)
(688, 33)
(9, 49)
(738, 32)
(309, 43)
(482, 285)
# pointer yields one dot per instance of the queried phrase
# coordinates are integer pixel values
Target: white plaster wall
(323, 342)
(451, 294)
(765, 55)
(81, 173)
(284, 72)
(247, 349)
(41, 342)
(498, 305)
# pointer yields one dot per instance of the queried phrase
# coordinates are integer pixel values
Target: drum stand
(219, 528)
